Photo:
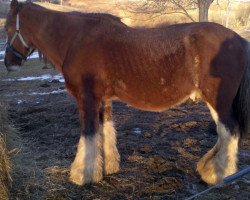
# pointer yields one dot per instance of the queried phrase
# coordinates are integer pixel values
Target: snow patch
(34, 55)
(19, 101)
(2, 53)
(137, 131)
(58, 91)
(49, 77)
(47, 93)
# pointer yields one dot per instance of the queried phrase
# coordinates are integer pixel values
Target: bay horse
(43, 59)
(152, 69)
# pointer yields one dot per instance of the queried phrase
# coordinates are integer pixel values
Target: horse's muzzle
(13, 68)
(12, 64)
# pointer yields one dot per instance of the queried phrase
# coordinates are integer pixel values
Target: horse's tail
(241, 104)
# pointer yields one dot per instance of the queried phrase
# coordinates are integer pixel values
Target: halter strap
(19, 35)
(17, 22)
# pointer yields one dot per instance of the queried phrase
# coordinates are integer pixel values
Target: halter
(10, 47)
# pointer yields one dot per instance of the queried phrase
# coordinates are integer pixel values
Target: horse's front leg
(88, 165)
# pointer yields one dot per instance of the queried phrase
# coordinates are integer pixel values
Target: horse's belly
(159, 99)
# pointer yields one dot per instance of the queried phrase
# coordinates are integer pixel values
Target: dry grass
(7, 134)
(5, 169)
(217, 13)
(57, 7)
(2, 22)
(238, 16)
(127, 11)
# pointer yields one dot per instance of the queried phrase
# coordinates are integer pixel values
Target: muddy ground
(159, 151)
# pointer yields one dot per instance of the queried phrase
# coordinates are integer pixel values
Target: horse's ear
(14, 6)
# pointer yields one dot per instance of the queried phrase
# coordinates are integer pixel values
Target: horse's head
(18, 48)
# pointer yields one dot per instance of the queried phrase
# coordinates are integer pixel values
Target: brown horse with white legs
(154, 69)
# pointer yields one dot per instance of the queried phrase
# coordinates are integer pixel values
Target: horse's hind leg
(221, 160)
(111, 155)
(88, 165)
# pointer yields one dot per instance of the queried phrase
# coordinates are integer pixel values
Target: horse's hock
(6, 132)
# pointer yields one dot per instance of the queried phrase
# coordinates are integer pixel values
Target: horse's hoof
(112, 162)
(212, 170)
(78, 177)
(207, 171)
(112, 167)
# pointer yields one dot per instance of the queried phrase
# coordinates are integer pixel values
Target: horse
(43, 59)
(152, 69)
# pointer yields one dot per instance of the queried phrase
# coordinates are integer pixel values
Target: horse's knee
(221, 161)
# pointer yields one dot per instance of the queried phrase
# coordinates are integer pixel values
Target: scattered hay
(5, 168)
(6, 131)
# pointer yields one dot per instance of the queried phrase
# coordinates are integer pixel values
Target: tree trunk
(228, 13)
(203, 9)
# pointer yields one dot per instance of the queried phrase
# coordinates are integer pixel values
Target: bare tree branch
(161, 7)
(178, 4)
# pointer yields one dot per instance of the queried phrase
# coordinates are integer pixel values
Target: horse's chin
(13, 68)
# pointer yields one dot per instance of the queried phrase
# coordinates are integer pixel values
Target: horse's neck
(53, 33)
(44, 33)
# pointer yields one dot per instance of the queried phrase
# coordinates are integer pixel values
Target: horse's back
(158, 68)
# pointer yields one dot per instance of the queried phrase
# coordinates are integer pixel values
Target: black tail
(241, 105)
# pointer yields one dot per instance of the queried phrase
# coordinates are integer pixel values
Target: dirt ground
(159, 151)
